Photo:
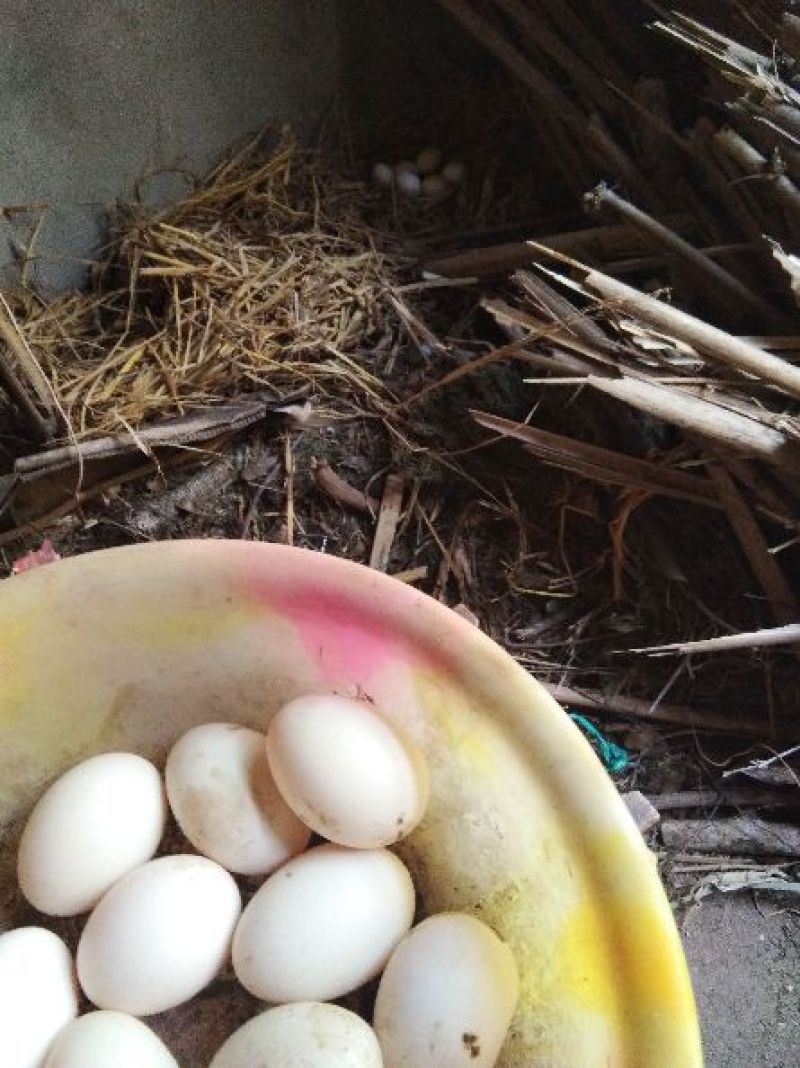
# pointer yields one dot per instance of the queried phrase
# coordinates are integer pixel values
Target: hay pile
(263, 279)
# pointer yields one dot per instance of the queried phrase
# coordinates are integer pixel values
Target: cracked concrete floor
(744, 956)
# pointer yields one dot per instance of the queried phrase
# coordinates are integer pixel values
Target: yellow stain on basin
(465, 734)
(176, 627)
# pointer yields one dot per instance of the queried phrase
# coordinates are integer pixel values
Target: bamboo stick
(495, 41)
(536, 31)
(727, 291)
(765, 567)
(618, 705)
(602, 465)
(715, 423)
(715, 343)
(617, 241)
(754, 639)
(753, 163)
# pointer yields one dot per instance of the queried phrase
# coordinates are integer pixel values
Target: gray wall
(97, 92)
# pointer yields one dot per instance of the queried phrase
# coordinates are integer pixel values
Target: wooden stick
(536, 32)
(724, 288)
(714, 422)
(570, 318)
(602, 465)
(732, 797)
(765, 567)
(753, 163)
(388, 518)
(789, 35)
(340, 490)
(603, 704)
(600, 243)
(738, 836)
(708, 339)
(754, 639)
(495, 41)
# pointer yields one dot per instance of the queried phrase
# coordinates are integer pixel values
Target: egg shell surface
(303, 1035)
(106, 1039)
(447, 995)
(38, 995)
(99, 820)
(222, 794)
(323, 924)
(346, 772)
(160, 935)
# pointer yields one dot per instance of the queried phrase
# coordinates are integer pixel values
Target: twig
(755, 639)
(340, 490)
(723, 287)
(602, 243)
(388, 518)
(602, 465)
(738, 836)
(712, 421)
(634, 707)
(765, 566)
(742, 797)
(708, 339)
(757, 166)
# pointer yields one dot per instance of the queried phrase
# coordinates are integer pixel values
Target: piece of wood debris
(737, 836)
(715, 343)
(645, 816)
(341, 490)
(602, 465)
(388, 518)
(412, 575)
(731, 797)
(754, 639)
(620, 705)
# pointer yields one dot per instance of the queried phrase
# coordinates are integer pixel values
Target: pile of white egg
(324, 921)
(428, 175)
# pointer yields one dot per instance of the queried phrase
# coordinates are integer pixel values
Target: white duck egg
(409, 182)
(300, 1036)
(383, 174)
(101, 819)
(435, 186)
(323, 924)
(346, 772)
(38, 995)
(447, 996)
(429, 160)
(225, 800)
(454, 172)
(109, 1040)
(159, 935)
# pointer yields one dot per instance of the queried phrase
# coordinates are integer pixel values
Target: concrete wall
(97, 92)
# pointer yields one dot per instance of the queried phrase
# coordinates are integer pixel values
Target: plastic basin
(126, 649)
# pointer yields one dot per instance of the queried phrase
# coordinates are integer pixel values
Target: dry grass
(263, 279)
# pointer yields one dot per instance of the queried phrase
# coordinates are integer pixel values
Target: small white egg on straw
(454, 172)
(429, 160)
(382, 174)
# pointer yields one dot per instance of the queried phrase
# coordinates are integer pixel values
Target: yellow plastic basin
(126, 649)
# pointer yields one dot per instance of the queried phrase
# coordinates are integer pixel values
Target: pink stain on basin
(348, 643)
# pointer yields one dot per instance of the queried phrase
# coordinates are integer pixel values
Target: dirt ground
(744, 957)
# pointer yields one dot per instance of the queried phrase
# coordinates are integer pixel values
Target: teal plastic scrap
(615, 758)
